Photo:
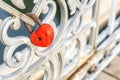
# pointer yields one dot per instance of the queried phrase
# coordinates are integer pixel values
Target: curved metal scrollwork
(74, 40)
(20, 61)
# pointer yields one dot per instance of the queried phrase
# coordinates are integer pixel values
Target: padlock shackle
(35, 18)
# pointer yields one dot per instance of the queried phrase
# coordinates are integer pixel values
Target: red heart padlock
(43, 36)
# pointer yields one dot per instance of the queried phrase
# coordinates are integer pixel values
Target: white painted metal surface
(76, 40)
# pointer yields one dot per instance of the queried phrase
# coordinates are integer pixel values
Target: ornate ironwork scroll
(77, 38)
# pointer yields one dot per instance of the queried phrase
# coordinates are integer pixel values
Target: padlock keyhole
(39, 38)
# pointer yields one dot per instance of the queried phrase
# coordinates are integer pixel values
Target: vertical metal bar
(37, 8)
(112, 16)
(94, 31)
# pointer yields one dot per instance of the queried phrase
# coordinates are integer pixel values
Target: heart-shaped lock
(43, 36)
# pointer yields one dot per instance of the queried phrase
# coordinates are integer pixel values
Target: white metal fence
(78, 41)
